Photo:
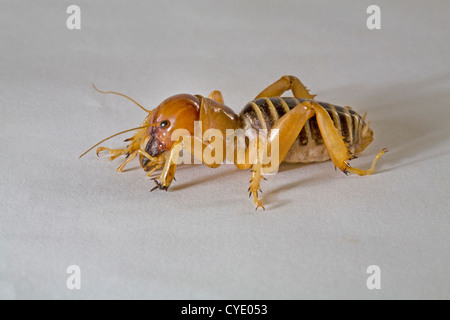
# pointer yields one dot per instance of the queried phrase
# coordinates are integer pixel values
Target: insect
(305, 130)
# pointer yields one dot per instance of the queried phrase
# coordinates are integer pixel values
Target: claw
(159, 185)
(100, 150)
(259, 205)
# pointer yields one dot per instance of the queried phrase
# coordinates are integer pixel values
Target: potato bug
(290, 129)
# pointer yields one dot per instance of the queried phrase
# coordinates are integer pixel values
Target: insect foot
(360, 172)
(253, 190)
(159, 185)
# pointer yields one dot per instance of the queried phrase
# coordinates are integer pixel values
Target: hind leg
(372, 168)
(284, 84)
(337, 150)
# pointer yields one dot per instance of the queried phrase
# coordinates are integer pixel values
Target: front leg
(155, 162)
(170, 166)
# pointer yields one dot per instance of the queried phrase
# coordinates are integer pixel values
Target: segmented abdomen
(309, 146)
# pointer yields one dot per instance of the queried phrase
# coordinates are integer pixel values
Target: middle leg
(282, 135)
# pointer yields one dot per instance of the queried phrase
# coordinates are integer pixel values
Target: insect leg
(255, 180)
(335, 145)
(372, 168)
(153, 161)
(284, 84)
(197, 148)
(283, 133)
(130, 157)
(286, 129)
(170, 166)
(156, 167)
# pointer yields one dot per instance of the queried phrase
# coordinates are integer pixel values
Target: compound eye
(164, 123)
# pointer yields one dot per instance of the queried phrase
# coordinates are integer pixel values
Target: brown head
(177, 112)
(180, 111)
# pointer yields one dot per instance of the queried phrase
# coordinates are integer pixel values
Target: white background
(203, 239)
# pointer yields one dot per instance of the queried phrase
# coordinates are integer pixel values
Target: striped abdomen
(309, 146)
